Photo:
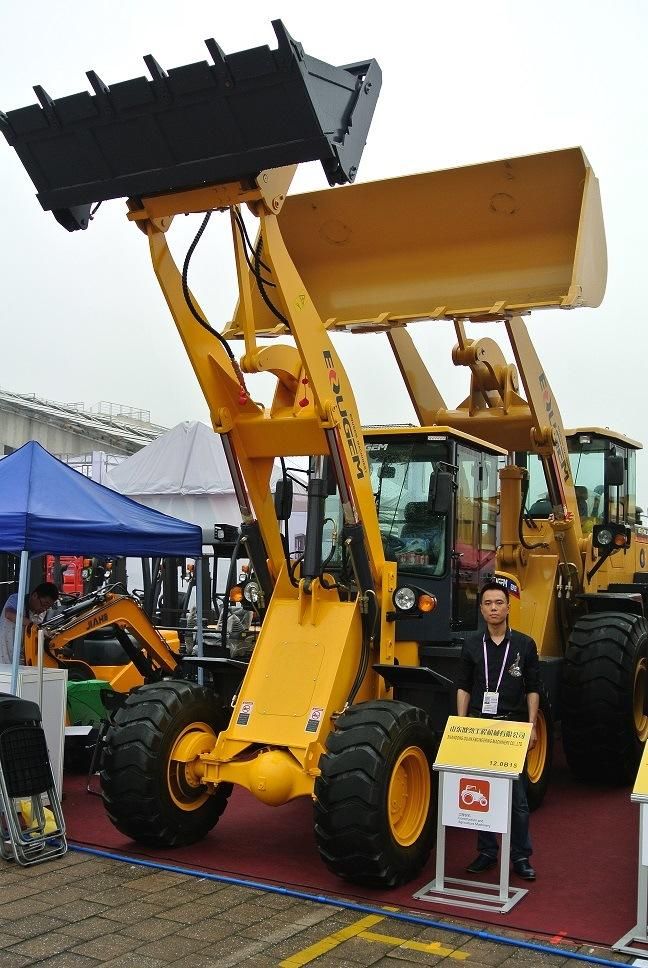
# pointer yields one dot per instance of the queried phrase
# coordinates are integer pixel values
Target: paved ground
(80, 911)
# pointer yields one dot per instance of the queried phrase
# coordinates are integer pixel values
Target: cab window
(413, 534)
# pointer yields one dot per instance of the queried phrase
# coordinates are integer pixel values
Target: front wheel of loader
(538, 762)
(604, 722)
(149, 783)
(375, 800)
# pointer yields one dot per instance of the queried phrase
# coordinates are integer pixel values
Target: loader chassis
(351, 676)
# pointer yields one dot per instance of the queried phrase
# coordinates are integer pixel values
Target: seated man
(582, 500)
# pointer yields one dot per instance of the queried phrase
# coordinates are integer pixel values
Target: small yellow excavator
(131, 650)
(351, 677)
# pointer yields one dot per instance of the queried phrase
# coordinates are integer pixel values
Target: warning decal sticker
(314, 719)
(245, 712)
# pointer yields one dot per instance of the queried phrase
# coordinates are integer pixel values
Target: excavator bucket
(481, 241)
(194, 125)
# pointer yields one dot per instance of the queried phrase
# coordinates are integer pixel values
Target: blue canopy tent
(47, 507)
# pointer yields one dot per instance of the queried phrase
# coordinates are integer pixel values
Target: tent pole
(41, 662)
(23, 584)
(199, 618)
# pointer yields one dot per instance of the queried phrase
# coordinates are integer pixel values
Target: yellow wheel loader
(351, 678)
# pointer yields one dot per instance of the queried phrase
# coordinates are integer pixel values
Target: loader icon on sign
(474, 794)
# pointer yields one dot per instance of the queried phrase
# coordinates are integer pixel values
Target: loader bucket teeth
(194, 125)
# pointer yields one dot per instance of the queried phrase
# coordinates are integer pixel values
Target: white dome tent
(184, 468)
(184, 473)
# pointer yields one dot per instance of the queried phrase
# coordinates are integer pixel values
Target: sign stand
(494, 767)
(480, 896)
(632, 942)
(635, 942)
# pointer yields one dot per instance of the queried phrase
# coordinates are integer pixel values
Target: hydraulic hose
(350, 906)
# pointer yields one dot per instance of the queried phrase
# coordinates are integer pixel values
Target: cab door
(475, 537)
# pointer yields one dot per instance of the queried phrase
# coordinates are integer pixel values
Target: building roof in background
(116, 428)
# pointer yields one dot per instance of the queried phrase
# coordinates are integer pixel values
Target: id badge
(489, 704)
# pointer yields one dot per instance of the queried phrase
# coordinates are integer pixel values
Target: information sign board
(476, 802)
(484, 745)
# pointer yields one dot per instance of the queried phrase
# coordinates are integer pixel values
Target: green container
(84, 703)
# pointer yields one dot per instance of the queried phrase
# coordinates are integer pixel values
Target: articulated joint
(543, 440)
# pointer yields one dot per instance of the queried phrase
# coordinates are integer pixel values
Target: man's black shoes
(482, 862)
(524, 870)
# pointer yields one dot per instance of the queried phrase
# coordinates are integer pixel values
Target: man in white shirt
(43, 597)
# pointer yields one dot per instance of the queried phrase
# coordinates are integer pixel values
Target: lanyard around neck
(499, 681)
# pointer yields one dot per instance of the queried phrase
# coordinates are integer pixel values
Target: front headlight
(404, 599)
(251, 593)
(604, 537)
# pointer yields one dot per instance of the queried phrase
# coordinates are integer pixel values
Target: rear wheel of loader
(539, 760)
(149, 783)
(604, 722)
(375, 802)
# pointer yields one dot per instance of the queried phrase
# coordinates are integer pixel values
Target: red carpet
(585, 850)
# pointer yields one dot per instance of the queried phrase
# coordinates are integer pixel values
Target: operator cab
(436, 497)
(604, 468)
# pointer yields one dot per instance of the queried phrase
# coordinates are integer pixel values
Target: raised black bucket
(194, 125)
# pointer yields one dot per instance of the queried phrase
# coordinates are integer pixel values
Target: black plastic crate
(15, 711)
(25, 761)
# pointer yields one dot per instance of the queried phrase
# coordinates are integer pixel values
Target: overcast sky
(82, 316)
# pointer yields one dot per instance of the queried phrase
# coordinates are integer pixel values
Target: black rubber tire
(135, 761)
(353, 829)
(539, 761)
(603, 725)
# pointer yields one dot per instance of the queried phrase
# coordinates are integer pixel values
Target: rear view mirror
(387, 472)
(440, 492)
(614, 470)
(283, 498)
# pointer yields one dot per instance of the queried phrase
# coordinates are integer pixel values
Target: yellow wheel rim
(184, 773)
(638, 698)
(537, 758)
(409, 796)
